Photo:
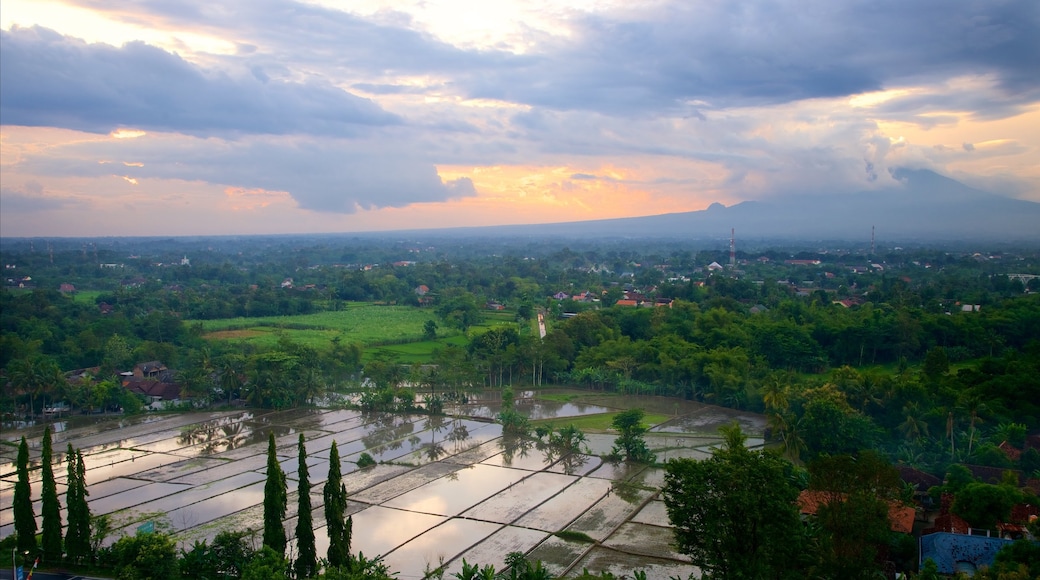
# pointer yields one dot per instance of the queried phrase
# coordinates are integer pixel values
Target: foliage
(78, 535)
(854, 515)
(630, 444)
(984, 504)
(266, 564)
(24, 517)
(307, 559)
(226, 557)
(143, 557)
(335, 497)
(365, 460)
(275, 498)
(734, 513)
(51, 540)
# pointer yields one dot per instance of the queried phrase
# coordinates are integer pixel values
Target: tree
(51, 540)
(78, 535)
(307, 560)
(630, 443)
(145, 557)
(267, 564)
(984, 504)
(735, 514)
(856, 492)
(24, 516)
(339, 529)
(275, 498)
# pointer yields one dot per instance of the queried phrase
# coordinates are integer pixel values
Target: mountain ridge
(926, 206)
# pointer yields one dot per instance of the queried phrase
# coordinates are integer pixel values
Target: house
(66, 288)
(663, 302)
(151, 370)
(158, 394)
(715, 266)
(900, 516)
(494, 306)
(802, 262)
(954, 552)
(627, 303)
(561, 296)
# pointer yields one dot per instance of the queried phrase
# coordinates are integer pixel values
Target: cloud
(47, 79)
(325, 175)
(31, 198)
(728, 54)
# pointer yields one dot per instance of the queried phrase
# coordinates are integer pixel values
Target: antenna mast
(871, 240)
(732, 247)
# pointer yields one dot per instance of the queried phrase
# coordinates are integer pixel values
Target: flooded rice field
(446, 489)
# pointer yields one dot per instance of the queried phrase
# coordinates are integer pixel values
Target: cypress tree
(307, 562)
(51, 507)
(77, 536)
(275, 498)
(335, 494)
(24, 516)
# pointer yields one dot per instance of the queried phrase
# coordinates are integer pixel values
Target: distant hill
(925, 207)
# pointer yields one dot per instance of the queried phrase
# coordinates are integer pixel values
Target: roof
(900, 517)
(1010, 450)
(994, 475)
(164, 391)
(948, 521)
(922, 480)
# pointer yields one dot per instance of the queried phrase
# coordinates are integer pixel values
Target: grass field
(600, 423)
(397, 330)
(365, 324)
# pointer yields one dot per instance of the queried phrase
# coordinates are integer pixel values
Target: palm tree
(775, 392)
(309, 386)
(974, 405)
(787, 426)
(230, 381)
(913, 427)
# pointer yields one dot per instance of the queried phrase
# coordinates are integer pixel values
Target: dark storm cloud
(734, 53)
(679, 59)
(51, 80)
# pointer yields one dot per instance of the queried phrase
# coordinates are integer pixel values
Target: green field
(365, 324)
(600, 423)
(397, 330)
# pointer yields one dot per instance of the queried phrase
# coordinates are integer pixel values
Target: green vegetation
(275, 498)
(573, 536)
(927, 357)
(630, 444)
(735, 514)
(339, 526)
(24, 517)
(306, 564)
(51, 540)
(602, 422)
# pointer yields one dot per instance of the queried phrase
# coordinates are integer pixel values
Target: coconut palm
(913, 426)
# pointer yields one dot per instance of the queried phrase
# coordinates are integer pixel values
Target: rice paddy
(447, 488)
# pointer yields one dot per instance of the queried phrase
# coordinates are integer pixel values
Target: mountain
(925, 206)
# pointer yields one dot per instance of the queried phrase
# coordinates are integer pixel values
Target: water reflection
(386, 432)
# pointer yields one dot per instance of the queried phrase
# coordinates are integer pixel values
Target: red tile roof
(900, 517)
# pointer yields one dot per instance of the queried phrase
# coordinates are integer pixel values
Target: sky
(196, 117)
